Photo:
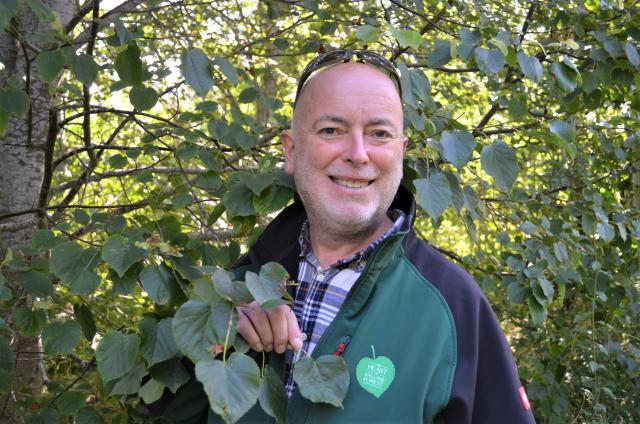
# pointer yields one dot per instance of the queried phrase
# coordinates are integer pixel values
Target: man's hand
(266, 330)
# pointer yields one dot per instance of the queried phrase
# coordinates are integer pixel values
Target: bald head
(349, 81)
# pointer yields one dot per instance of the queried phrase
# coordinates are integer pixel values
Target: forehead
(348, 87)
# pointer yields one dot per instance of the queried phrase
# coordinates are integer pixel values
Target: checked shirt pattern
(321, 292)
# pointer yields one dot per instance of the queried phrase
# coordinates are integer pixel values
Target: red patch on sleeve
(524, 399)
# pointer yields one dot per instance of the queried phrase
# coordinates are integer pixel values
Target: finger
(278, 320)
(260, 322)
(248, 333)
(293, 330)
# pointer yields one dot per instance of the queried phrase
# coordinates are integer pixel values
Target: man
(419, 339)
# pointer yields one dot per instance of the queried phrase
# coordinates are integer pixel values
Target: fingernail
(297, 344)
(280, 348)
(259, 347)
(269, 348)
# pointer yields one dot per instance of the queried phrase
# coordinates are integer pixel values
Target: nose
(356, 149)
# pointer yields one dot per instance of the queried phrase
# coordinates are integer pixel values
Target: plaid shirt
(321, 292)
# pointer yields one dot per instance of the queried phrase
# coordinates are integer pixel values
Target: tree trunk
(23, 150)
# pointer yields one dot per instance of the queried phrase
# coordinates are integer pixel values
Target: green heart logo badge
(375, 374)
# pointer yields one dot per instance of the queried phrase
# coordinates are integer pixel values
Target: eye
(382, 134)
(328, 131)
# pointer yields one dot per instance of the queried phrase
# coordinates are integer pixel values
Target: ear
(288, 144)
(405, 143)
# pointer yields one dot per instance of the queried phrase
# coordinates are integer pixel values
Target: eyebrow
(340, 120)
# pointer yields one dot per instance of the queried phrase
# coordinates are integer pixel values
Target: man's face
(345, 148)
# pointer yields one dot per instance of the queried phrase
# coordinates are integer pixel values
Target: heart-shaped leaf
(499, 161)
(325, 379)
(272, 397)
(457, 147)
(120, 253)
(232, 386)
(434, 193)
(61, 337)
(198, 326)
(116, 354)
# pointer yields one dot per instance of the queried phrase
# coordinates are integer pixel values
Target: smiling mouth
(351, 183)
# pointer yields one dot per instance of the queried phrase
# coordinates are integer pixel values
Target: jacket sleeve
(486, 387)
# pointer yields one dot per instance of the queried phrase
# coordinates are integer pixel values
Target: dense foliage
(158, 163)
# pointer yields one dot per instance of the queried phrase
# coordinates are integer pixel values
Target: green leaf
(605, 231)
(74, 267)
(61, 337)
(256, 183)
(44, 415)
(499, 161)
(14, 100)
(143, 98)
(29, 321)
(84, 68)
(124, 35)
(232, 386)
(457, 147)
(547, 288)
(489, 61)
(87, 415)
(69, 403)
(239, 201)
(500, 45)
(407, 38)
(248, 95)
(565, 136)
(434, 194)
(441, 54)
(159, 283)
(530, 66)
(45, 239)
(85, 283)
(227, 69)
(7, 366)
(129, 67)
(35, 283)
(4, 122)
(171, 374)
(272, 396)
(41, 10)
(518, 107)
(50, 63)
(157, 340)
(235, 291)
(6, 14)
(151, 391)
(204, 290)
(198, 326)
(538, 312)
(632, 54)
(566, 77)
(266, 288)
(83, 315)
(367, 33)
(116, 354)
(130, 383)
(325, 379)
(121, 253)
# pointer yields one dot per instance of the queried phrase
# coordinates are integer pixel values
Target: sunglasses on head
(344, 56)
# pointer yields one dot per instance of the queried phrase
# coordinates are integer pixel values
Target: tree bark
(23, 151)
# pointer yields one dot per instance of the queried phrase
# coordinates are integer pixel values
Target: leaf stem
(264, 357)
(226, 339)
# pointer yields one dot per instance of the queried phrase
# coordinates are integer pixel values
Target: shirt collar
(396, 215)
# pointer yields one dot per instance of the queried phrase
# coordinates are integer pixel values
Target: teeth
(351, 183)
